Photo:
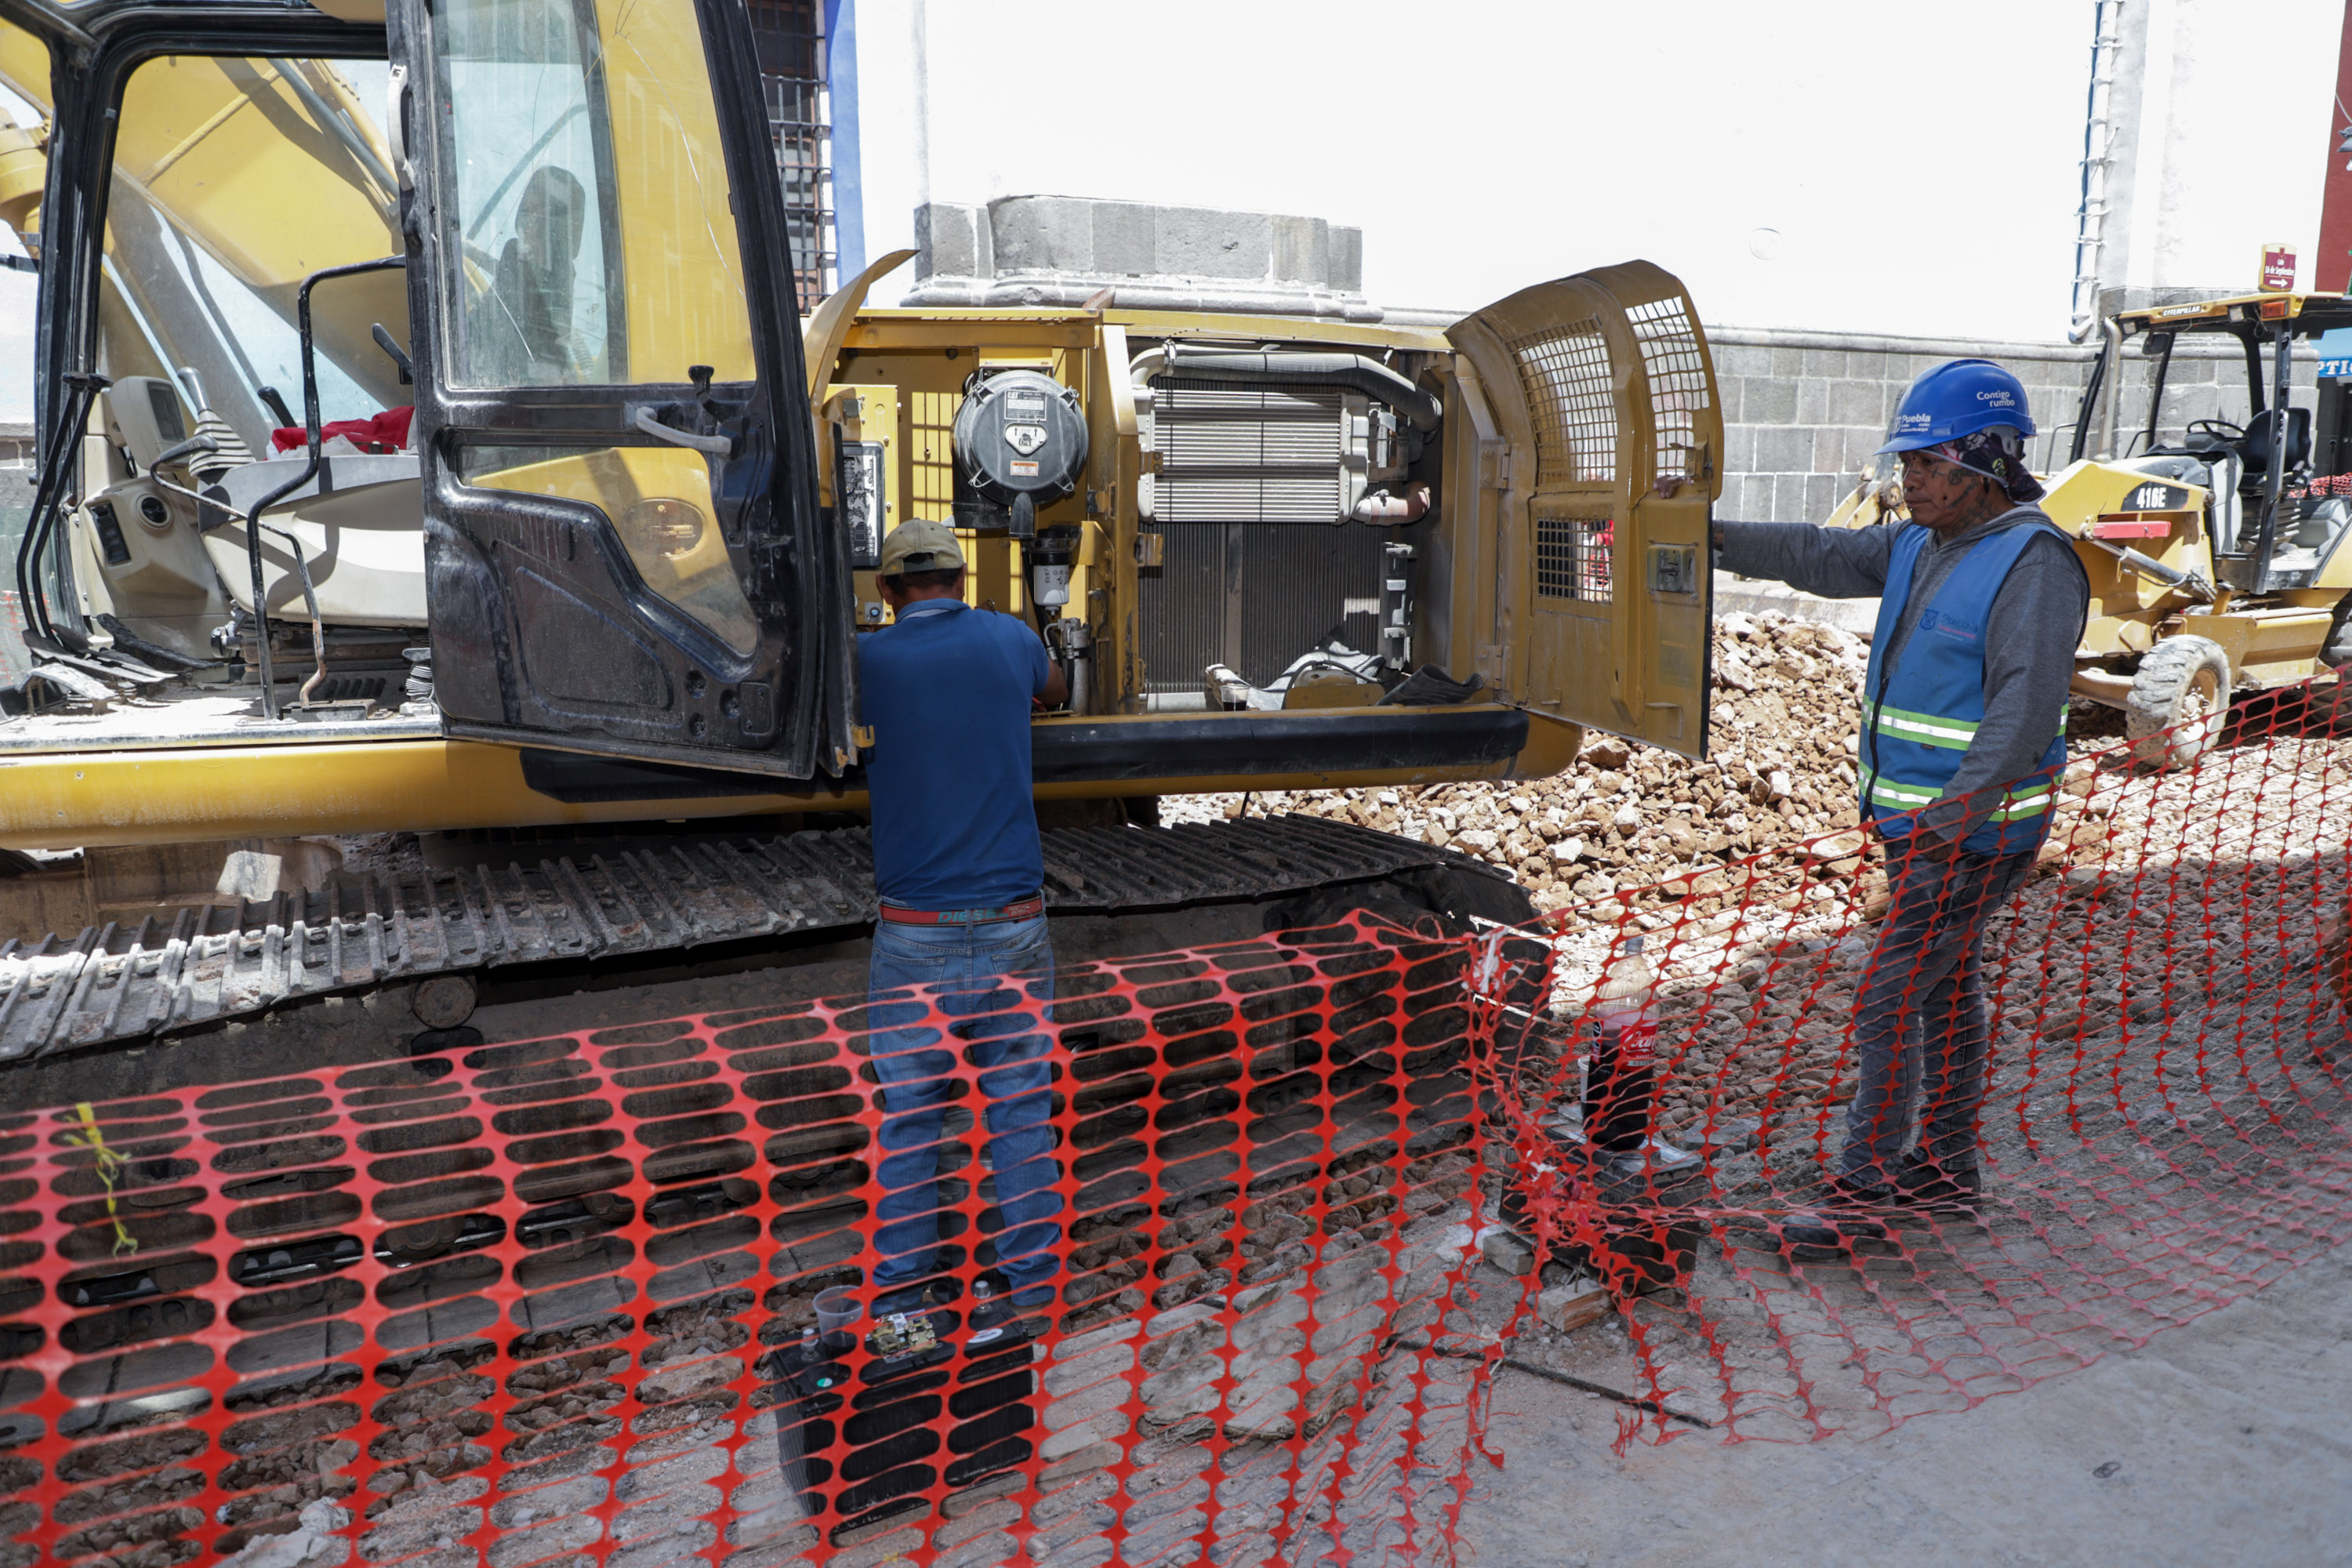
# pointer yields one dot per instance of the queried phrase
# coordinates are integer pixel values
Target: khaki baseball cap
(919, 544)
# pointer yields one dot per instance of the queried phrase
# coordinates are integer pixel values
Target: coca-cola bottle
(1621, 1078)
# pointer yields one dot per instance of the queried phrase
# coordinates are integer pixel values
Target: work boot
(1932, 1187)
(1827, 1228)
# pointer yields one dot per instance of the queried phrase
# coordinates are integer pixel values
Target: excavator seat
(361, 528)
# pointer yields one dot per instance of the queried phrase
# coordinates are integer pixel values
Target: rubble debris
(1627, 816)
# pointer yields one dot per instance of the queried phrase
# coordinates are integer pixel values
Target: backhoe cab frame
(2256, 322)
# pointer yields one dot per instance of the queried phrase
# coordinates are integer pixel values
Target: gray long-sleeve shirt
(2030, 638)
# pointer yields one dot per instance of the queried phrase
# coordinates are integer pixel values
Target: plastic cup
(836, 1309)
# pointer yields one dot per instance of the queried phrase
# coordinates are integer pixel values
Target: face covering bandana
(1999, 454)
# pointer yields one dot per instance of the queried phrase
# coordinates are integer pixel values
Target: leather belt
(1023, 910)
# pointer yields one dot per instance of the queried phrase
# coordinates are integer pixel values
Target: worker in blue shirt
(948, 690)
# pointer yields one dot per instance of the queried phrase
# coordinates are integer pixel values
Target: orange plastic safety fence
(2157, 1127)
(555, 1302)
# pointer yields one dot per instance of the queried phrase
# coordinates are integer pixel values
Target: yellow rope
(109, 1163)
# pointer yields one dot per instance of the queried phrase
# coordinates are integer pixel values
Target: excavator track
(177, 969)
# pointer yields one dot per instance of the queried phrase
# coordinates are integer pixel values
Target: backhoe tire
(2180, 700)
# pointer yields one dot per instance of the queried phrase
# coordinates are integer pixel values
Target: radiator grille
(1248, 454)
(1571, 393)
(1295, 586)
(1183, 609)
(1255, 597)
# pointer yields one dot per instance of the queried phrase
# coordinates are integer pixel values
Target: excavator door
(1601, 456)
(624, 550)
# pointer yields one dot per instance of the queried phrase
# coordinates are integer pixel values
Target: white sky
(1839, 165)
(1919, 163)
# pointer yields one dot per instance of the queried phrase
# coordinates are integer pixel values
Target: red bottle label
(1635, 1041)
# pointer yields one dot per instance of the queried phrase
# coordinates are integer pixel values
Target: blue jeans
(1919, 1022)
(956, 968)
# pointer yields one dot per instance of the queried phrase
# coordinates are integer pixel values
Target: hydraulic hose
(1301, 368)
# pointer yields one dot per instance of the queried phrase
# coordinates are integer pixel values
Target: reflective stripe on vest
(1930, 730)
(2030, 799)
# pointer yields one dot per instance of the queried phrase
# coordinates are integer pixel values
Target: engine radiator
(1256, 595)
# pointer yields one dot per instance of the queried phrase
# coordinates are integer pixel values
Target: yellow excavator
(450, 541)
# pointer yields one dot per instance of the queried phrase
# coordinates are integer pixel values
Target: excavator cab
(509, 417)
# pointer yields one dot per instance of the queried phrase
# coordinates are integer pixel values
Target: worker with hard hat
(1982, 606)
(946, 690)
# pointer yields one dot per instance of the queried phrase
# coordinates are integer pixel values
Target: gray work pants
(1919, 1025)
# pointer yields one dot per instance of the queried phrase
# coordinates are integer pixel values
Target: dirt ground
(2225, 1441)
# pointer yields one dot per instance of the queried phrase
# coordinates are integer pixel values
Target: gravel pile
(1628, 816)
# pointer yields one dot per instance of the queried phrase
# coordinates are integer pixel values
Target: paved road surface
(2233, 1439)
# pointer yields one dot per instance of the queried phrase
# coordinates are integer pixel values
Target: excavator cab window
(168, 303)
(197, 333)
(531, 221)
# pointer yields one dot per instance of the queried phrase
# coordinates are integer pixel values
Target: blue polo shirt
(946, 690)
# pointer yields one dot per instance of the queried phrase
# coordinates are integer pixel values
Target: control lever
(254, 528)
(391, 345)
(192, 447)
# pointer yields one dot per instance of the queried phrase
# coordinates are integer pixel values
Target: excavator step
(179, 968)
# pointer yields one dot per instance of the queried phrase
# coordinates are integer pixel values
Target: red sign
(2278, 267)
(2332, 269)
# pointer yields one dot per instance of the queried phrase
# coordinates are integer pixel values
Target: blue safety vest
(1918, 722)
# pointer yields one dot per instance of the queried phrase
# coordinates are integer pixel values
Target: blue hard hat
(1958, 398)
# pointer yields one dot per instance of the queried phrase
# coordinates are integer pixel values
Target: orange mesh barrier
(2162, 1128)
(553, 1302)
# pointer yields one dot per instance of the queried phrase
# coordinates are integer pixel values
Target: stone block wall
(1803, 412)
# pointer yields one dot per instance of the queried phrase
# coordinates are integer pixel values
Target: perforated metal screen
(1571, 396)
(1679, 393)
(1575, 558)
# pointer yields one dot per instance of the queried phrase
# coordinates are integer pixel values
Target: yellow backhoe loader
(545, 654)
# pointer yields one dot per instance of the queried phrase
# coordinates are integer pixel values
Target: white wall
(2223, 120)
(1917, 160)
